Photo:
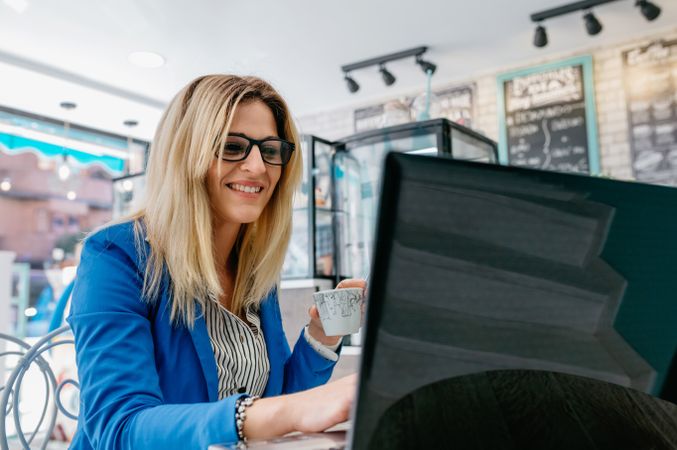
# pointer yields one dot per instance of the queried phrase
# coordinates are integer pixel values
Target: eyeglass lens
(272, 151)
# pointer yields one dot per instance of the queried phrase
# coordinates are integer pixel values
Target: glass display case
(336, 206)
(311, 250)
(357, 176)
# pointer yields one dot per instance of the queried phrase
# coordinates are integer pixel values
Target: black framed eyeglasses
(273, 151)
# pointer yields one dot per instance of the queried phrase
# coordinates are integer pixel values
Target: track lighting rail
(418, 51)
(380, 61)
(566, 9)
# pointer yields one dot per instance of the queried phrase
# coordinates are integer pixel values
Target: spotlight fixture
(592, 25)
(352, 84)
(425, 65)
(540, 37)
(380, 61)
(648, 9)
(388, 78)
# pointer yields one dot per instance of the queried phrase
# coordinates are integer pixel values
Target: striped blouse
(239, 350)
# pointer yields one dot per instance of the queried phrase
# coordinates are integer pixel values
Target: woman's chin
(244, 217)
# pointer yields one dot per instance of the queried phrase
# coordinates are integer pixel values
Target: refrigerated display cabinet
(357, 178)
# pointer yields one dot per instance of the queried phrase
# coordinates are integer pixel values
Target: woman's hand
(309, 411)
(315, 326)
(323, 407)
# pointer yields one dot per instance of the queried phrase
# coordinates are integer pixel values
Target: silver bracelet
(241, 404)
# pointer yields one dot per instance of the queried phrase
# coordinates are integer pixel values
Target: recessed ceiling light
(147, 60)
(68, 105)
(18, 6)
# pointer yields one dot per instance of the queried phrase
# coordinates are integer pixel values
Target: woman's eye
(234, 147)
(269, 150)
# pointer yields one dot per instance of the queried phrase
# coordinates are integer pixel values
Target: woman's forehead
(255, 119)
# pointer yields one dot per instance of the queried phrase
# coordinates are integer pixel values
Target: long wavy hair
(175, 217)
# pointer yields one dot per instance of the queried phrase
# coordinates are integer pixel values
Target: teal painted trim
(591, 116)
(16, 144)
(58, 129)
(590, 106)
(502, 130)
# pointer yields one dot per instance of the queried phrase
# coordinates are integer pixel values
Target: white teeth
(247, 189)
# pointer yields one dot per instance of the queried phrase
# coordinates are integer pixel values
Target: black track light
(388, 78)
(425, 65)
(381, 61)
(540, 37)
(592, 25)
(352, 84)
(649, 10)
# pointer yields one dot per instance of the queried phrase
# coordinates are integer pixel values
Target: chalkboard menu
(545, 115)
(651, 97)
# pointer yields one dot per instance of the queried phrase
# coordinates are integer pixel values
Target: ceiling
(77, 50)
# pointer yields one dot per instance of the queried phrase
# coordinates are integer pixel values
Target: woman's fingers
(325, 406)
(352, 283)
(314, 313)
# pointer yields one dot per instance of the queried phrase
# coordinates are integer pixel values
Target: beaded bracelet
(241, 404)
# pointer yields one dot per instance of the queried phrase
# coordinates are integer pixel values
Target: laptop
(483, 269)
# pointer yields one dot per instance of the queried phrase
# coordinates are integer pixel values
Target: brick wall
(612, 120)
(35, 212)
(487, 107)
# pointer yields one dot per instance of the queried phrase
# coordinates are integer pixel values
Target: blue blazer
(148, 384)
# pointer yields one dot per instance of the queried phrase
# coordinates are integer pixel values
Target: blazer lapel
(203, 347)
(271, 324)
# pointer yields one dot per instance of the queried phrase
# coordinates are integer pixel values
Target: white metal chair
(10, 393)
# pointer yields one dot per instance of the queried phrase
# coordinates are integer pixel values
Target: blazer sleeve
(121, 403)
(304, 368)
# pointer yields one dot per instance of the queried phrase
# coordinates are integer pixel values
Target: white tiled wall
(331, 125)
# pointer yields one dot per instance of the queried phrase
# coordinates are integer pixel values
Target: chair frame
(9, 402)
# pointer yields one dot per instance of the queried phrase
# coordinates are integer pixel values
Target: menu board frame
(652, 152)
(586, 64)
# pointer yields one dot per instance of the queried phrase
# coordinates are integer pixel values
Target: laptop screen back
(481, 267)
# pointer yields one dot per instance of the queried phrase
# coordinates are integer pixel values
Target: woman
(175, 311)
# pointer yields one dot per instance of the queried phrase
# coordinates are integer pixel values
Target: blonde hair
(176, 215)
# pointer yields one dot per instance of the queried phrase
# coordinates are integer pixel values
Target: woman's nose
(254, 161)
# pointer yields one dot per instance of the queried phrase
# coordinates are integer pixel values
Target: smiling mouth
(245, 189)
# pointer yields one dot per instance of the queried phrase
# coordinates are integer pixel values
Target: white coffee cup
(340, 310)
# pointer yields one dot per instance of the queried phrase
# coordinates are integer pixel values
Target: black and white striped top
(239, 350)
